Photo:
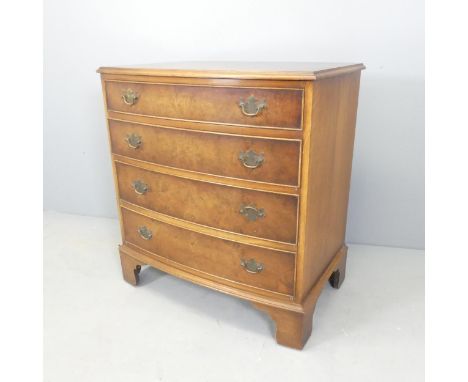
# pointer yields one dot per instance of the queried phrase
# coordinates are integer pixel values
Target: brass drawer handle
(139, 187)
(252, 213)
(129, 97)
(251, 159)
(252, 266)
(133, 141)
(145, 233)
(252, 106)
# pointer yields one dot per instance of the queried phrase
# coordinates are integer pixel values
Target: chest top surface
(232, 69)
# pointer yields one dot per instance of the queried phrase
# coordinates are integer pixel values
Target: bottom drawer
(259, 267)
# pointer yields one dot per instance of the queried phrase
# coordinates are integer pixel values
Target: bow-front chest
(236, 177)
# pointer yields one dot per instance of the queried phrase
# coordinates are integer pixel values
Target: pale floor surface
(99, 328)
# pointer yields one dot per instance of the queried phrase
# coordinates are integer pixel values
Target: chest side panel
(332, 130)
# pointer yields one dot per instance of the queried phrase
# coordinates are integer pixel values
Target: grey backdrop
(387, 191)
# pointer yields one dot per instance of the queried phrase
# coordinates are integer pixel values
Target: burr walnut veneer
(235, 176)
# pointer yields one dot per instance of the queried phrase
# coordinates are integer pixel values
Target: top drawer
(280, 108)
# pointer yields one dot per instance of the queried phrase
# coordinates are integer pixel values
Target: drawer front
(263, 160)
(272, 270)
(240, 106)
(254, 213)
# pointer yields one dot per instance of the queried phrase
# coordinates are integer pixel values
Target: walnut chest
(236, 177)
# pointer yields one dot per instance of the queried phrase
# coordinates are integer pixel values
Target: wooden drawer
(254, 213)
(208, 103)
(210, 153)
(218, 257)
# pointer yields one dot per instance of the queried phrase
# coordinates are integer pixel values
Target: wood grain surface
(210, 204)
(208, 103)
(211, 255)
(208, 153)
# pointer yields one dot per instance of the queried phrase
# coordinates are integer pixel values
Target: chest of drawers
(236, 177)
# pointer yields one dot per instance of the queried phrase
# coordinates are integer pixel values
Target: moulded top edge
(238, 70)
